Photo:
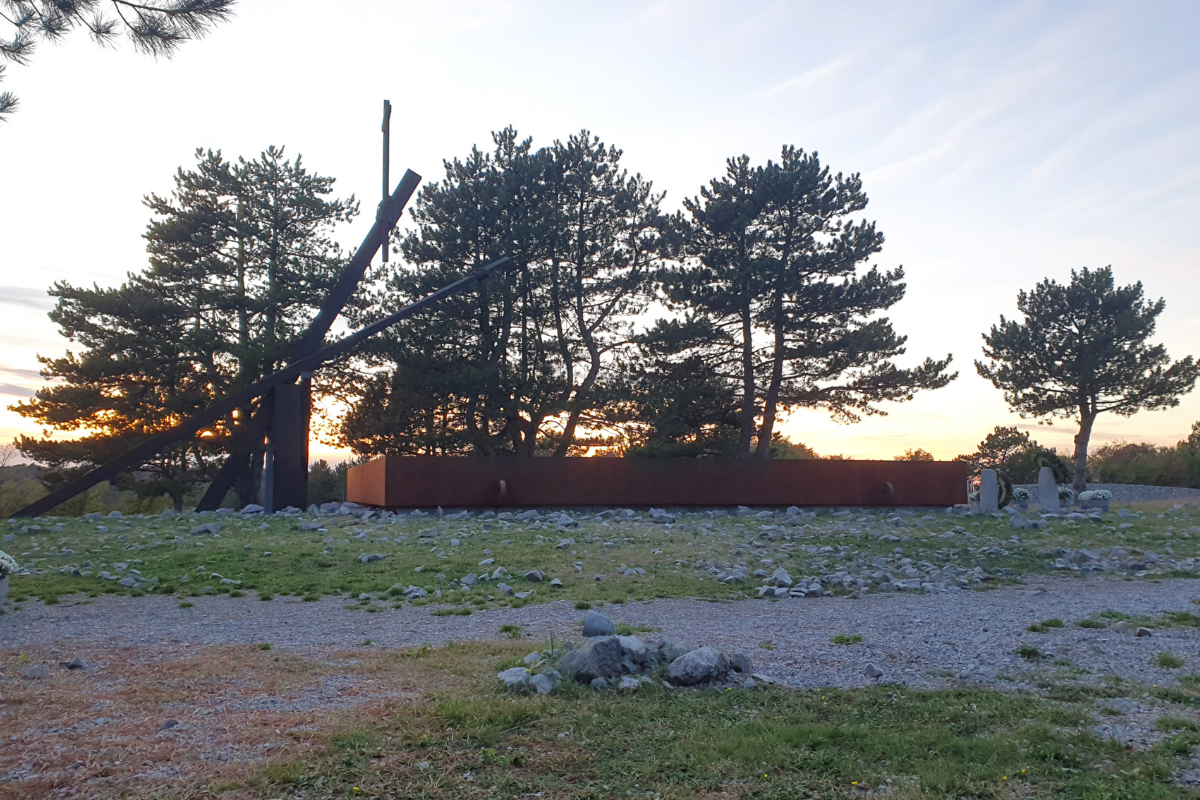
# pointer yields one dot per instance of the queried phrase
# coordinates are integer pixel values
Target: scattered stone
(872, 671)
(671, 649)
(599, 683)
(740, 662)
(470, 579)
(253, 508)
(208, 527)
(36, 673)
(516, 678)
(367, 558)
(628, 684)
(167, 724)
(600, 657)
(535, 576)
(780, 578)
(556, 583)
(76, 663)
(699, 666)
(596, 624)
(542, 684)
(1143, 632)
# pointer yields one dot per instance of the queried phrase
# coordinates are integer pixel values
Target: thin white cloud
(13, 390)
(26, 297)
(810, 78)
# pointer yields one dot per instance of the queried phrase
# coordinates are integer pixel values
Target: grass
(1029, 653)
(1045, 625)
(470, 740)
(1168, 661)
(186, 605)
(847, 638)
(511, 631)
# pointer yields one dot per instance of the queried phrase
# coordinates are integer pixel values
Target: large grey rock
(542, 684)
(253, 508)
(515, 678)
(596, 624)
(470, 579)
(208, 527)
(601, 657)
(535, 576)
(740, 662)
(699, 666)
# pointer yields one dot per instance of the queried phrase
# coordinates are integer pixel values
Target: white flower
(1096, 494)
(1021, 494)
(8, 564)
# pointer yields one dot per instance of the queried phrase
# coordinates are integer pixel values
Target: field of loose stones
(477, 560)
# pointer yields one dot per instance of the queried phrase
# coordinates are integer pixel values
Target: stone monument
(989, 491)
(1047, 490)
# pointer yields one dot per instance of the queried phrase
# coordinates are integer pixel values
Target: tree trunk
(1081, 446)
(767, 429)
(747, 434)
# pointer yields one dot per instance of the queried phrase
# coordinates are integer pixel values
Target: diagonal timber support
(288, 375)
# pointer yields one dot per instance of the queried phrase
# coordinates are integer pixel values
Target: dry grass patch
(139, 720)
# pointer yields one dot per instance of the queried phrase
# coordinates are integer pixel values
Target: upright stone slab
(1047, 490)
(989, 491)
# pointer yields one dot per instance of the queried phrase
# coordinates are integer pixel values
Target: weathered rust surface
(464, 482)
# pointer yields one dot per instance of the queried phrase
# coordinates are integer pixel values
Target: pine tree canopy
(155, 27)
(1084, 349)
(240, 260)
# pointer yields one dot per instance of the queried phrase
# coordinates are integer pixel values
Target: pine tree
(156, 27)
(1084, 349)
(520, 364)
(240, 260)
(776, 265)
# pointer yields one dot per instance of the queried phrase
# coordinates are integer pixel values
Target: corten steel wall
(457, 482)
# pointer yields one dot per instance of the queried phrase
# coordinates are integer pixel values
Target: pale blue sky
(999, 143)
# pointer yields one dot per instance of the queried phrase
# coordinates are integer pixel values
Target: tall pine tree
(241, 257)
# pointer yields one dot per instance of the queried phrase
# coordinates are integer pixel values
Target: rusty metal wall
(464, 482)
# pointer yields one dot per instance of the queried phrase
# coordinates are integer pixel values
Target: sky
(999, 143)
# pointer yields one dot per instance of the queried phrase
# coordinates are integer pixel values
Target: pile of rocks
(609, 660)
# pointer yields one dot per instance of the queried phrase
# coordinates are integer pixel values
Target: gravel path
(921, 640)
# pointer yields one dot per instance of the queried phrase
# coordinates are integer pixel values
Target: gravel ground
(920, 640)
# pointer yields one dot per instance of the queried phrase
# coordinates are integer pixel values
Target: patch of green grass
(847, 638)
(1169, 723)
(625, 629)
(1168, 661)
(582, 605)
(1028, 652)
(1045, 625)
(264, 646)
(511, 631)
(451, 612)
(311, 597)
(237, 593)
(1090, 623)
(264, 596)
(186, 605)
(767, 645)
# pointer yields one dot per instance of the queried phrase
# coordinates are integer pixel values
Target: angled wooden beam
(151, 447)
